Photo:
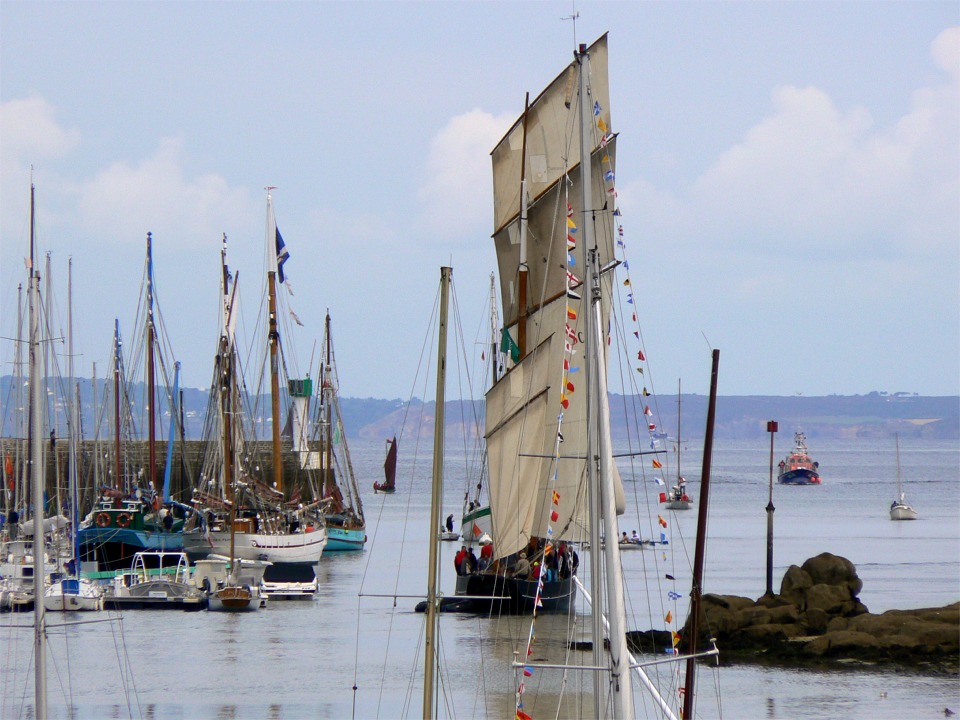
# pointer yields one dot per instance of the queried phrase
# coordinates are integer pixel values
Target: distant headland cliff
(876, 414)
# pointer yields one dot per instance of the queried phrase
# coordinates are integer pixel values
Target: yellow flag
(676, 638)
(601, 124)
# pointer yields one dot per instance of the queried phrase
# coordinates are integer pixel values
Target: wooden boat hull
(233, 598)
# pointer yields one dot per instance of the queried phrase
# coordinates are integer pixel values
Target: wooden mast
(118, 482)
(696, 592)
(430, 654)
(151, 377)
(524, 269)
(274, 340)
(326, 390)
(36, 479)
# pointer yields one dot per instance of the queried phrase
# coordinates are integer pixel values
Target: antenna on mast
(573, 17)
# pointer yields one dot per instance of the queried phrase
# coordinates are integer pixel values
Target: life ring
(103, 519)
(123, 520)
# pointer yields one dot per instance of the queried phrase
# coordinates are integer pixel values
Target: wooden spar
(117, 481)
(36, 479)
(226, 391)
(151, 379)
(274, 340)
(430, 654)
(326, 395)
(696, 592)
(523, 269)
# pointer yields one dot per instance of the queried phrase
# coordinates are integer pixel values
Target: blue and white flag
(282, 255)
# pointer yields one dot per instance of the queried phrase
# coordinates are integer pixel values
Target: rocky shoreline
(817, 621)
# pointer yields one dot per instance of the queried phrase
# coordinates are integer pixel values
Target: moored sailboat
(265, 525)
(899, 509)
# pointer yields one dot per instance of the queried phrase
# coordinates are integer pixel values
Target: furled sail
(537, 464)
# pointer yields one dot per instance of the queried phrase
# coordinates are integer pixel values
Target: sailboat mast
(696, 592)
(226, 391)
(151, 379)
(430, 654)
(117, 481)
(74, 436)
(274, 340)
(599, 452)
(326, 387)
(36, 478)
(493, 330)
(524, 269)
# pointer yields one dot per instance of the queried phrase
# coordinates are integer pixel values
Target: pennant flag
(572, 279)
(646, 393)
(669, 577)
(640, 370)
(674, 595)
(657, 463)
(652, 426)
(601, 124)
(554, 516)
(528, 671)
(647, 410)
(669, 617)
(556, 498)
(282, 254)
(571, 295)
(605, 159)
(626, 266)
(571, 225)
(571, 333)
(507, 345)
(658, 481)
(630, 298)
(596, 107)
(571, 313)
(571, 261)
(636, 334)
(641, 356)
(612, 191)
(608, 176)
(569, 210)
(620, 231)
(295, 318)
(626, 282)
(676, 639)
(571, 242)
(660, 520)
(663, 538)
(560, 435)
(570, 386)
(521, 715)
(564, 402)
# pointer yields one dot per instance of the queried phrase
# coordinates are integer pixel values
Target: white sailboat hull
(295, 548)
(901, 511)
(72, 595)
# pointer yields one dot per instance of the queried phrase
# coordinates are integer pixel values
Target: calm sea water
(351, 652)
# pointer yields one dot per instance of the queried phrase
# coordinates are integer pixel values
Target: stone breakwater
(817, 619)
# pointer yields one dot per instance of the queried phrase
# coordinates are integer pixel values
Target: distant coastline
(875, 414)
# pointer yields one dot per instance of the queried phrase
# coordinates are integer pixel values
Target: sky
(788, 175)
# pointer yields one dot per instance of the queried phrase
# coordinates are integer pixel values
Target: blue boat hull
(800, 476)
(342, 540)
(113, 548)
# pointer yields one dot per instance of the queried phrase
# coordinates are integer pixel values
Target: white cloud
(820, 178)
(122, 202)
(457, 194)
(29, 132)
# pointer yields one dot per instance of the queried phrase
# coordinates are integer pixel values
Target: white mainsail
(533, 471)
